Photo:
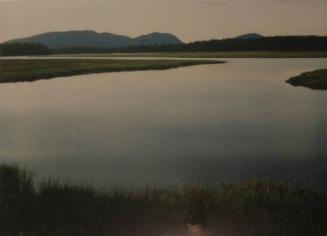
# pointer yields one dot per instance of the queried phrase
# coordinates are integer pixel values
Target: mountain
(250, 36)
(74, 39)
(157, 39)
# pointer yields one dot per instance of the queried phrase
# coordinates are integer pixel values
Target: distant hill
(75, 39)
(250, 36)
(92, 42)
(157, 39)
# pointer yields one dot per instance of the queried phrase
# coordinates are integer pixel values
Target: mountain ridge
(249, 36)
(90, 38)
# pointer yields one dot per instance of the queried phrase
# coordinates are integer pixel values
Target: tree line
(277, 43)
(22, 49)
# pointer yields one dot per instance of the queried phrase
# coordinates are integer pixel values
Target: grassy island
(314, 79)
(258, 207)
(19, 70)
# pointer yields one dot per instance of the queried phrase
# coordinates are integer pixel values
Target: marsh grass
(256, 207)
(314, 79)
(19, 70)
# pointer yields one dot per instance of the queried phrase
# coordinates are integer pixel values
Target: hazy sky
(188, 19)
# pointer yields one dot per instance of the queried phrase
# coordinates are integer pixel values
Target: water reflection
(206, 123)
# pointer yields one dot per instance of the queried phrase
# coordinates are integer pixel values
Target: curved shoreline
(314, 79)
(21, 70)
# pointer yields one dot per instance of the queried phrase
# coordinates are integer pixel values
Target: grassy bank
(233, 54)
(251, 208)
(18, 70)
(314, 79)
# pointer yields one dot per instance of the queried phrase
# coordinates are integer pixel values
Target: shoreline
(188, 55)
(212, 55)
(316, 80)
(22, 70)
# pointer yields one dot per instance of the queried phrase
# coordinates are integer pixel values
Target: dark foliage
(23, 49)
(253, 208)
(314, 79)
(278, 43)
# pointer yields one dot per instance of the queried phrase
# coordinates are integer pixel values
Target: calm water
(203, 123)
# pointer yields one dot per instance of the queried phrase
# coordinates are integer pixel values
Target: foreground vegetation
(18, 70)
(315, 79)
(254, 208)
(230, 54)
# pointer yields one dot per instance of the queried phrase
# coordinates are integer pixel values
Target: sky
(190, 20)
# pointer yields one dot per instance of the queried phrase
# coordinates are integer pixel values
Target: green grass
(18, 70)
(314, 79)
(234, 54)
(256, 207)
